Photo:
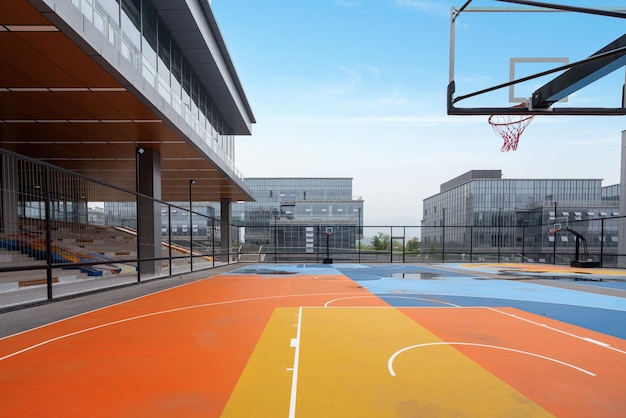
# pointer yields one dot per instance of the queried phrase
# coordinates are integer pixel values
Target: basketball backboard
(559, 223)
(558, 58)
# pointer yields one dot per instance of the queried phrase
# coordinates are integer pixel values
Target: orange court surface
(354, 340)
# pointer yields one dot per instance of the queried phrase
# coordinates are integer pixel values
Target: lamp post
(524, 222)
(359, 232)
(443, 236)
(138, 152)
(499, 231)
(191, 182)
(554, 241)
(275, 236)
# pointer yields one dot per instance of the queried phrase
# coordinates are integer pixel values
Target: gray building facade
(293, 215)
(481, 211)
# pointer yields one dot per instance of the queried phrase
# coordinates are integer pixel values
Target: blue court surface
(602, 313)
(446, 285)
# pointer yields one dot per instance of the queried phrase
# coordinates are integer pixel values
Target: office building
(293, 215)
(481, 210)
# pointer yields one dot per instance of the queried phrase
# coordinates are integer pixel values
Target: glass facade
(482, 210)
(292, 214)
(136, 30)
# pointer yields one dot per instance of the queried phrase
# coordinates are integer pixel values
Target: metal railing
(55, 243)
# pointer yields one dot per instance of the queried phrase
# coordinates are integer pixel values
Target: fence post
(471, 244)
(403, 242)
(601, 241)
(169, 237)
(443, 236)
(48, 234)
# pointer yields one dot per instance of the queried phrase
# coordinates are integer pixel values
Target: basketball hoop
(553, 231)
(510, 127)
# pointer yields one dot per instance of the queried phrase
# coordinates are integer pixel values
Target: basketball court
(336, 340)
(356, 340)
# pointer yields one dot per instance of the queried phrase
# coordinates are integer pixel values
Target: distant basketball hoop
(329, 232)
(555, 229)
(510, 127)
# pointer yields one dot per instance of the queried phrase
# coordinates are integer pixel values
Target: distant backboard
(558, 223)
(557, 59)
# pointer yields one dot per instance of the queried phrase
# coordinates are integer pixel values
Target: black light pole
(554, 241)
(524, 240)
(191, 182)
(359, 231)
(499, 232)
(275, 237)
(138, 152)
(443, 236)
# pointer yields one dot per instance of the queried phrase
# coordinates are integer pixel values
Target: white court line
(589, 340)
(296, 360)
(184, 308)
(392, 358)
(395, 297)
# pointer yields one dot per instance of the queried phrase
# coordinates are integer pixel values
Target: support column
(149, 212)
(9, 220)
(621, 233)
(225, 229)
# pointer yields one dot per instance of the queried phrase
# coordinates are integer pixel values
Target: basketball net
(510, 127)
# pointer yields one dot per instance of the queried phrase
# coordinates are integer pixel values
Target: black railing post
(499, 241)
(359, 232)
(138, 152)
(443, 236)
(391, 244)
(403, 242)
(601, 241)
(169, 236)
(471, 244)
(523, 241)
(275, 240)
(554, 241)
(191, 182)
(48, 233)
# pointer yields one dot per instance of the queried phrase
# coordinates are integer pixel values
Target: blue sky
(357, 88)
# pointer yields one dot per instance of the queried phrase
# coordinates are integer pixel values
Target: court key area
(474, 340)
